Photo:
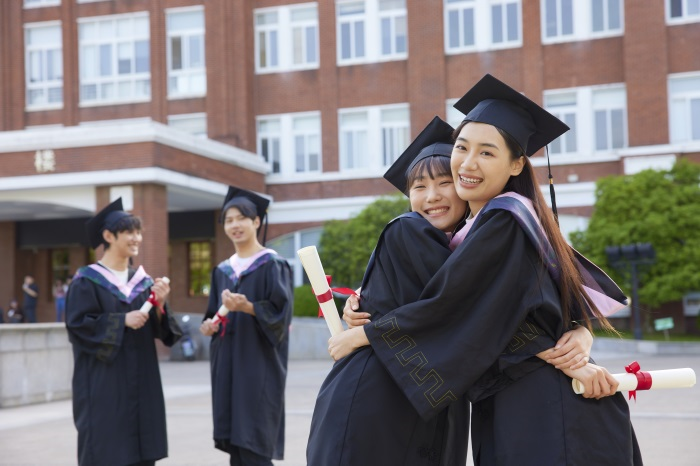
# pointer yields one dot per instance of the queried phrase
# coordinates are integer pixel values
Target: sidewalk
(667, 422)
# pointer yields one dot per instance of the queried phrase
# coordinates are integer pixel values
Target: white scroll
(149, 304)
(220, 314)
(669, 378)
(317, 277)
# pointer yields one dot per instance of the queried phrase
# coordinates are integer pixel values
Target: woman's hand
(351, 314)
(596, 380)
(572, 350)
(346, 342)
(208, 328)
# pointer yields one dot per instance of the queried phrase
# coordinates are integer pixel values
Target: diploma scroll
(220, 314)
(152, 298)
(314, 270)
(669, 378)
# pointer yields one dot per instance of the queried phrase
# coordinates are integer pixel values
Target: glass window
(40, 3)
(269, 135)
(192, 123)
(392, 20)
(114, 59)
(286, 38)
(684, 108)
(683, 9)
(563, 106)
(606, 15)
(395, 133)
(199, 267)
(559, 18)
(505, 21)
(266, 35)
(288, 245)
(460, 23)
(609, 110)
(304, 24)
(351, 24)
(44, 66)
(186, 67)
(306, 132)
(354, 149)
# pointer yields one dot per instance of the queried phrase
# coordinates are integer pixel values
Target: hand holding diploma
(635, 379)
(159, 291)
(317, 277)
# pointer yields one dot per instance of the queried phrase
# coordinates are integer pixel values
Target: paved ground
(667, 421)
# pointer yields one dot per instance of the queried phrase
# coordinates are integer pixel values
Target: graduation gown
(361, 416)
(249, 356)
(118, 404)
(459, 338)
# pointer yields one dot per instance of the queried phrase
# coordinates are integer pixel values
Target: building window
(114, 59)
(291, 143)
(371, 30)
(60, 265)
(683, 10)
(366, 131)
(597, 117)
(684, 108)
(44, 66)
(286, 38)
(199, 267)
(474, 26)
(594, 19)
(609, 122)
(186, 69)
(40, 3)
(606, 15)
(191, 123)
(288, 245)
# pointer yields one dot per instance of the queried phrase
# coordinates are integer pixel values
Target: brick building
(165, 102)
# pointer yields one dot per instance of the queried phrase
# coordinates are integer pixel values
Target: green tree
(657, 207)
(346, 245)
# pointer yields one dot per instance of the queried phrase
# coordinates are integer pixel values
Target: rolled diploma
(314, 270)
(223, 310)
(147, 305)
(669, 378)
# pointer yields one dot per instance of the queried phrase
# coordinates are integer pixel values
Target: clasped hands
(136, 319)
(233, 302)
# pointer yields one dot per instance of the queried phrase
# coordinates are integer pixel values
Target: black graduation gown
(118, 404)
(249, 357)
(459, 339)
(361, 417)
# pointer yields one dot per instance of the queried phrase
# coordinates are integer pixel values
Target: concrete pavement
(667, 422)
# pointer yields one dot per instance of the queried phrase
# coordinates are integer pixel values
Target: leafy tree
(346, 245)
(657, 207)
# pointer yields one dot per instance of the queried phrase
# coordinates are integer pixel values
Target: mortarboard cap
(434, 140)
(105, 219)
(493, 102)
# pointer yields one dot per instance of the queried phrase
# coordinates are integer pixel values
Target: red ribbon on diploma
(328, 295)
(223, 322)
(643, 379)
(152, 299)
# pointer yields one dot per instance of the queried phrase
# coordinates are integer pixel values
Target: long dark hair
(571, 283)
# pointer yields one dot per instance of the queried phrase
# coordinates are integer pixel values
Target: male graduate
(249, 348)
(118, 405)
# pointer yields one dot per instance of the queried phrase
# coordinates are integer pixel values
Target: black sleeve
(273, 314)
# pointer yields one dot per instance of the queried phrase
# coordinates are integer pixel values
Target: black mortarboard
(105, 219)
(434, 140)
(238, 196)
(494, 102)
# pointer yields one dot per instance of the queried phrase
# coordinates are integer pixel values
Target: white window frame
(284, 38)
(44, 49)
(173, 121)
(482, 34)
(374, 152)
(608, 31)
(680, 122)
(397, 18)
(685, 17)
(582, 23)
(608, 105)
(453, 116)
(287, 142)
(584, 113)
(133, 79)
(371, 18)
(40, 3)
(186, 73)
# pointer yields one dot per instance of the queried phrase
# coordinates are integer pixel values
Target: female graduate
(512, 270)
(118, 404)
(345, 428)
(249, 349)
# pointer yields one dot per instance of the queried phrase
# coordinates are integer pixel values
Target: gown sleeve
(437, 348)
(92, 329)
(166, 328)
(273, 313)
(214, 297)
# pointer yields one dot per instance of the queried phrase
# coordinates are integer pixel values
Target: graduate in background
(250, 347)
(512, 270)
(118, 404)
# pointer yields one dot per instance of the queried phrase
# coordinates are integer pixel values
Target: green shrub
(305, 304)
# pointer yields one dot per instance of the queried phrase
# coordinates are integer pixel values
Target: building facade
(166, 102)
